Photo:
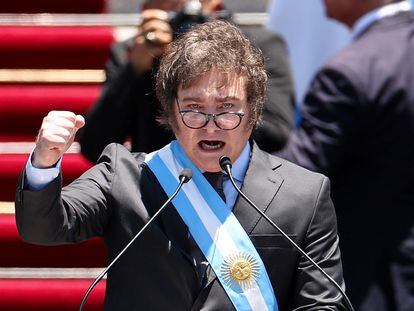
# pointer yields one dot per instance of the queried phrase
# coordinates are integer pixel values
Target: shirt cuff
(38, 178)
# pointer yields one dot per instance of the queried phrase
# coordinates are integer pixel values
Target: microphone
(226, 165)
(185, 176)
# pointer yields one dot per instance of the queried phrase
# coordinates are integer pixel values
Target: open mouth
(211, 145)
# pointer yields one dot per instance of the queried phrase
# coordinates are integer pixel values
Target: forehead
(215, 83)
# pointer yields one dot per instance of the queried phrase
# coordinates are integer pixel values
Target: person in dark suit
(211, 85)
(357, 128)
(128, 102)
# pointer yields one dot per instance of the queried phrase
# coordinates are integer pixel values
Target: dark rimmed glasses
(195, 119)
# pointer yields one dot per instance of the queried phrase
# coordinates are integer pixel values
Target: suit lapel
(177, 231)
(260, 185)
(172, 224)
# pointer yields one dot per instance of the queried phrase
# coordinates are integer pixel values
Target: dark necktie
(216, 181)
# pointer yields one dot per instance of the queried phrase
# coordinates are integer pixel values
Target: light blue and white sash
(216, 231)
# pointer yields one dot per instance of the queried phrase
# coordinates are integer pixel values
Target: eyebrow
(219, 99)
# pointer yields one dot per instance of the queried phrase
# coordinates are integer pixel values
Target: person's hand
(154, 33)
(55, 136)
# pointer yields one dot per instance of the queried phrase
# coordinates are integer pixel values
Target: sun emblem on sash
(240, 267)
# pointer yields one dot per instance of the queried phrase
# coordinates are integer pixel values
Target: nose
(211, 126)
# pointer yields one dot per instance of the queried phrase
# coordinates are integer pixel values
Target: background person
(310, 36)
(357, 128)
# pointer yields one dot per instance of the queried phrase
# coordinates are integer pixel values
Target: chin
(207, 167)
(209, 163)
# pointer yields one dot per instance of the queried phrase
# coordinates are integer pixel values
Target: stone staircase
(46, 66)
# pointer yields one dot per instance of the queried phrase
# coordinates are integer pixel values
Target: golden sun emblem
(240, 267)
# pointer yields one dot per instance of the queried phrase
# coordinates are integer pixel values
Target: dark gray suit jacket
(115, 198)
(358, 129)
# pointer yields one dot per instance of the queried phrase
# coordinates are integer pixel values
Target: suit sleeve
(113, 115)
(313, 290)
(278, 111)
(332, 115)
(75, 213)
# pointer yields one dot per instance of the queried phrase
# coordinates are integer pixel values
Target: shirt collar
(240, 165)
(387, 10)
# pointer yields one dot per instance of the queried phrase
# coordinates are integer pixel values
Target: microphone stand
(185, 177)
(225, 164)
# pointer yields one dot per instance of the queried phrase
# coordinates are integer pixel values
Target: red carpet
(53, 6)
(73, 165)
(68, 47)
(23, 107)
(16, 253)
(49, 294)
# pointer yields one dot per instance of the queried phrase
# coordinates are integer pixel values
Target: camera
(191, 15)
(188, 17)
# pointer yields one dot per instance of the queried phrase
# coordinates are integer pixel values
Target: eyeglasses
(196, 119)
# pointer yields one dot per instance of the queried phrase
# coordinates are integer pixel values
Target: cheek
(240, 138)
(185, 135)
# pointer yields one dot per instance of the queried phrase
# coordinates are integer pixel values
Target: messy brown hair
(214, 45)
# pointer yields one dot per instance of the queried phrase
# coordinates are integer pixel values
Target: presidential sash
(216, 231)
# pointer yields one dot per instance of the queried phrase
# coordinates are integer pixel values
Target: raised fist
(55, 136)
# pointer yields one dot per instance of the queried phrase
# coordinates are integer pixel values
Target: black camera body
(182, 21)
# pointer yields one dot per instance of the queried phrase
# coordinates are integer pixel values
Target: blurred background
(127, 6)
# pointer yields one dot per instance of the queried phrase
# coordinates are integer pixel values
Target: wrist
(43, 162)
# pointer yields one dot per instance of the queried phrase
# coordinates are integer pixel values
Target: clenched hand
(55, 136)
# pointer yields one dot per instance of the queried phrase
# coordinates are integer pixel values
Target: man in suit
(357, 128)
(128, 102)
(210, 250)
